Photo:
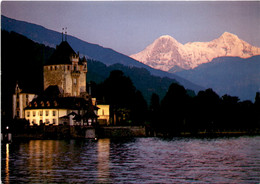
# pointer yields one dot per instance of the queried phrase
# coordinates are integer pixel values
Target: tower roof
(62, 54)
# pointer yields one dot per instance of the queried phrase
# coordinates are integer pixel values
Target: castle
(65, 99)
(66, 70)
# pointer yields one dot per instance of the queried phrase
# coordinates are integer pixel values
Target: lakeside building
(21, 100)
(51, 108)
(65, 99)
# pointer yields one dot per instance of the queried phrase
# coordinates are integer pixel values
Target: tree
(127, 104)
(207, 109)
(154, 111)
(173, 108)
(229, 109)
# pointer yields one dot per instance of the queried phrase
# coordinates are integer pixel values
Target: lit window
(46, 113)
(28, 114)
(34, 113)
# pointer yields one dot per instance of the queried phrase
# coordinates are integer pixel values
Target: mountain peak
(166, 36)
(166, 52)
(166, 39)
(228, 35)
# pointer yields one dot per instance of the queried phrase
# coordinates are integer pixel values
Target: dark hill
(228, 75)
(23, 60)
(105, 55)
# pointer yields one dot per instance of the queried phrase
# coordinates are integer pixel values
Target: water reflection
(41, 157)
(103, 160)
(7, 164)
(139, 160)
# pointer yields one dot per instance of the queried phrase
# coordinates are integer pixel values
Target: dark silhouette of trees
(229, 110)
(208, 109)
(205, 112)
(128, 106)
(257, 109)
(173, 108)
(154, 111)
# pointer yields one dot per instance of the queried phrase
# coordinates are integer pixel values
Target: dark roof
(43, 102)
(51, 99)
(82, 60)
(62, 54)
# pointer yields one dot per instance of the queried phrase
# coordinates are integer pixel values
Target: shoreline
(63, 133)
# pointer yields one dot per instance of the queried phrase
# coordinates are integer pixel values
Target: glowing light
(7, 164)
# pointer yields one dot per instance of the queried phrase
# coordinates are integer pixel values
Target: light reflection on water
(137, 160)
(7, 164)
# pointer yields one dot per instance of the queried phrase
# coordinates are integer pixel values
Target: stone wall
(122, 131)
(61, 76)
(53, 76)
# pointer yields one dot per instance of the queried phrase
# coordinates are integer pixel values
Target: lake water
(136, 160)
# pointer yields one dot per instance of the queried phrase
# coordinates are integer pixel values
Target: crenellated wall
(71, 82)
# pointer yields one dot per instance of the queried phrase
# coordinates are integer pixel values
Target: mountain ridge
(228, 75)
(92, 51)
(166, 52)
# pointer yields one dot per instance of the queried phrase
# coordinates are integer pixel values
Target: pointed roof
(62, 54)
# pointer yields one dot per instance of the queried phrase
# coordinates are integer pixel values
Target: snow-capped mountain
(166, 53)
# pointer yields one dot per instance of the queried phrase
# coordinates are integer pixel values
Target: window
(47, 121)
(55, 67)
(18, 113)
(53, 113)
(46, 113)
(40, 113)
(54, 121)
(28, 114)
(34, 113)
(75, 81)
(68, 67)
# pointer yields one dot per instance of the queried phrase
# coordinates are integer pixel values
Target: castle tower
(66, 70)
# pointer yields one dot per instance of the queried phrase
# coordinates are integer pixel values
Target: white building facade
(20, 101)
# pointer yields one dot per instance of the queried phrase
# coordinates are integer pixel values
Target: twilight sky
(129, 26)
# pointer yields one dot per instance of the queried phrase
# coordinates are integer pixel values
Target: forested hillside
(23, 60)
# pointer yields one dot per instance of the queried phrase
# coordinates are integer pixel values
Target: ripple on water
(137, 160)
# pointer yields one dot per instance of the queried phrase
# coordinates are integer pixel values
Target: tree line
(180, 110)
